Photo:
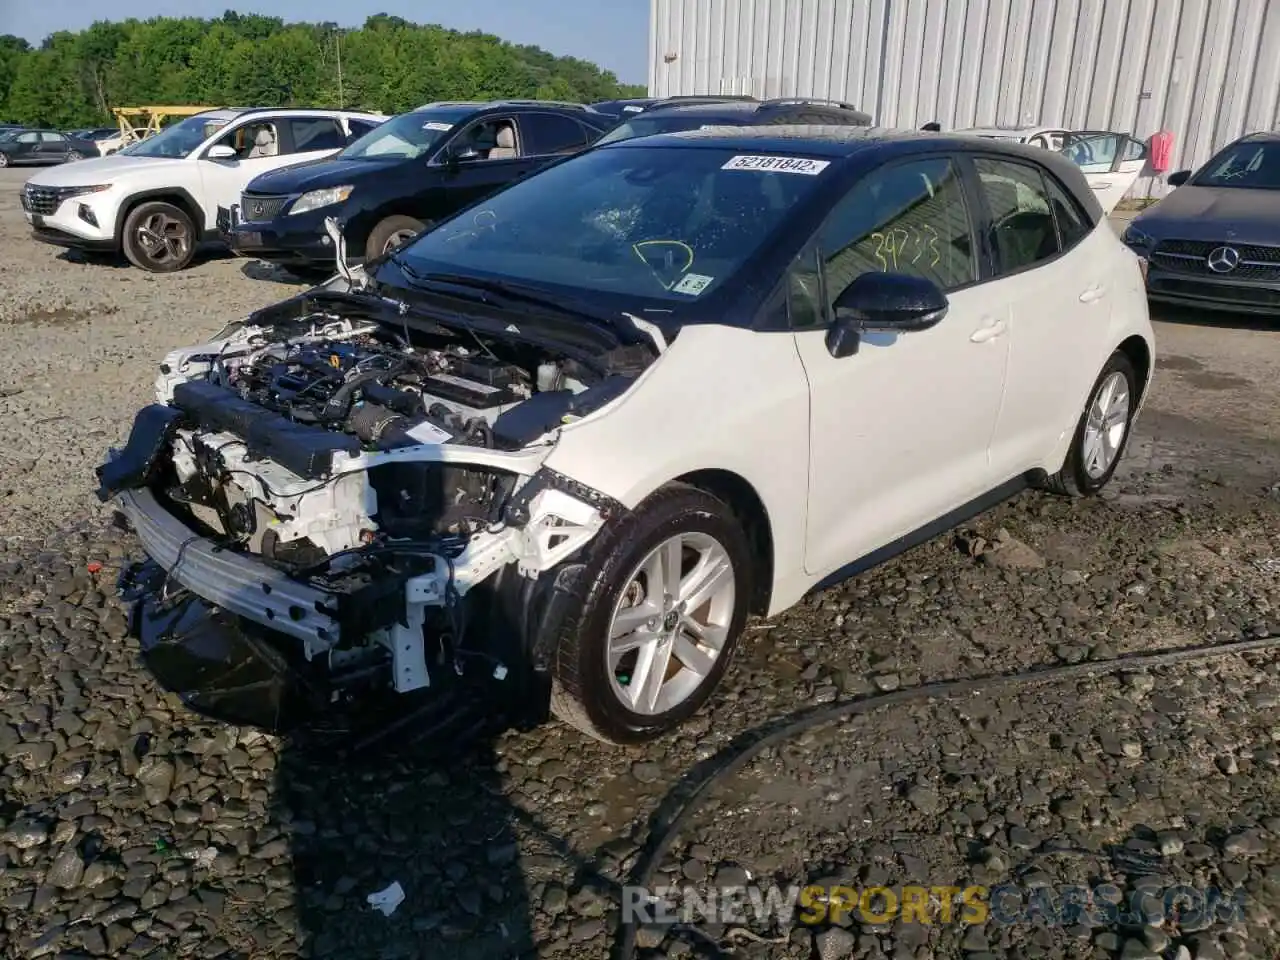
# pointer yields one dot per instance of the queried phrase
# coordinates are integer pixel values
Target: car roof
(231, 113)
(843, 142)
(1006, 130)
(724, 107)
(827, 140)
(1262, 136)
(745, 109)
(508, 105)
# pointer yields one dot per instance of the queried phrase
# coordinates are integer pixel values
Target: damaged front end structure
(328, 518)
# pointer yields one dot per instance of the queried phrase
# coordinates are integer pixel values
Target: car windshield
(1253, 165)
(9, 134)
(670, 224)
(648, 126)
(407, 136)
(177, 141)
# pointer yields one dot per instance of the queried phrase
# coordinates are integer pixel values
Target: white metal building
(1206, 70)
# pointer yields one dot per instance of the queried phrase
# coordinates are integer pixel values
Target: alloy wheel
(164, 239)
(1106, 425)
(671, 623)
(396, 239)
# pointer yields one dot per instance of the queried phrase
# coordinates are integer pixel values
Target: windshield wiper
(506, 294)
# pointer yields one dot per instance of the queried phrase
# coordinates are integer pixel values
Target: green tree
(388, 64)
(12, 50)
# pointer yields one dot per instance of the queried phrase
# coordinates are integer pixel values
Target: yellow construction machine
(138, 123)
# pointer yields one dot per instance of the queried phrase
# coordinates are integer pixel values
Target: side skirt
(947, 521)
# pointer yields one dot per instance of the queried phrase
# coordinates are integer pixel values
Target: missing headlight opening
(353, 505)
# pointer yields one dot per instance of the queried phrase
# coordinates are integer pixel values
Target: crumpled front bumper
(238, 584)
(205, 620)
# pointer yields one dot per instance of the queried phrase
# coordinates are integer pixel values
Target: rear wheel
(390, 234)
(664, 601)
(159, 237)
(1102, 433)
(74, 155)
(4, 159)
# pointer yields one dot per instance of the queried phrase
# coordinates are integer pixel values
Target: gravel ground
(129, 827)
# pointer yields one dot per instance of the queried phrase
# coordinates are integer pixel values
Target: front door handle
(993, 329)
(1094, 293)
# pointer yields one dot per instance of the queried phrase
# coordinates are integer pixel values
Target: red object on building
(1161, 148)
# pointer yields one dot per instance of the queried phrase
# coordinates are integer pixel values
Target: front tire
(159, 237)
(4, 160)
(390, 234)
(1102, 432)
(663, 602)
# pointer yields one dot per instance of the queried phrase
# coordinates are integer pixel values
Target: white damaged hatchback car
(557, 450)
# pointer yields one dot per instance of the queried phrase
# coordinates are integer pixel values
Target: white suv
(158, 199)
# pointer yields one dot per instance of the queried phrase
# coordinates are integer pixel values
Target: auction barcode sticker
(778, 165)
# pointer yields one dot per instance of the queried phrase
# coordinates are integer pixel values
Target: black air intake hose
(373, 423)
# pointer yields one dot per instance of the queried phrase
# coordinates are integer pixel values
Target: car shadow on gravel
(269, 272)
(1198, 317)
(81, 258)
(436, 823)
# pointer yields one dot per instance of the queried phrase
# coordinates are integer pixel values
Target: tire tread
(569, 689)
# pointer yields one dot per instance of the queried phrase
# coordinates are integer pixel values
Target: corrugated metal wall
(1208, 70)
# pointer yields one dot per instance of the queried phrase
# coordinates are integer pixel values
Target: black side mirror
(883, 302)
(1179, 178)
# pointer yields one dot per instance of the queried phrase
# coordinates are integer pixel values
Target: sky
(611, 33)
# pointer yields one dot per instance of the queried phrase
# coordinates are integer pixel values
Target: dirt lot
(128, 826)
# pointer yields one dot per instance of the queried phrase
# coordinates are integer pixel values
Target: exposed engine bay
(384, 469)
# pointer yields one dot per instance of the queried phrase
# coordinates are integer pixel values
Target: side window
(548, 133)
(358, 128)
(1093, 153)
(316, 133)
(804, 291)
(27, 138)
(590, 133)
(1073, 226)
(1022, 226)
(53, 138)
(908, 218)
(1133, 150)
(493, 139)
(253, 140)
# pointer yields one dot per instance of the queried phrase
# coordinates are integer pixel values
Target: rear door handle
(993, 329)
(1096, 292)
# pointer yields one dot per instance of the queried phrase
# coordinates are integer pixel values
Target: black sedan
(1215, 240)
(42, 146)
(401, 177)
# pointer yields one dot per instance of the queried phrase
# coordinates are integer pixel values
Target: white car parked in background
(1111, 162)
(157, 199)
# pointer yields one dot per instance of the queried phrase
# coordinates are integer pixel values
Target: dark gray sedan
(42, 146)
(1215, 240)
